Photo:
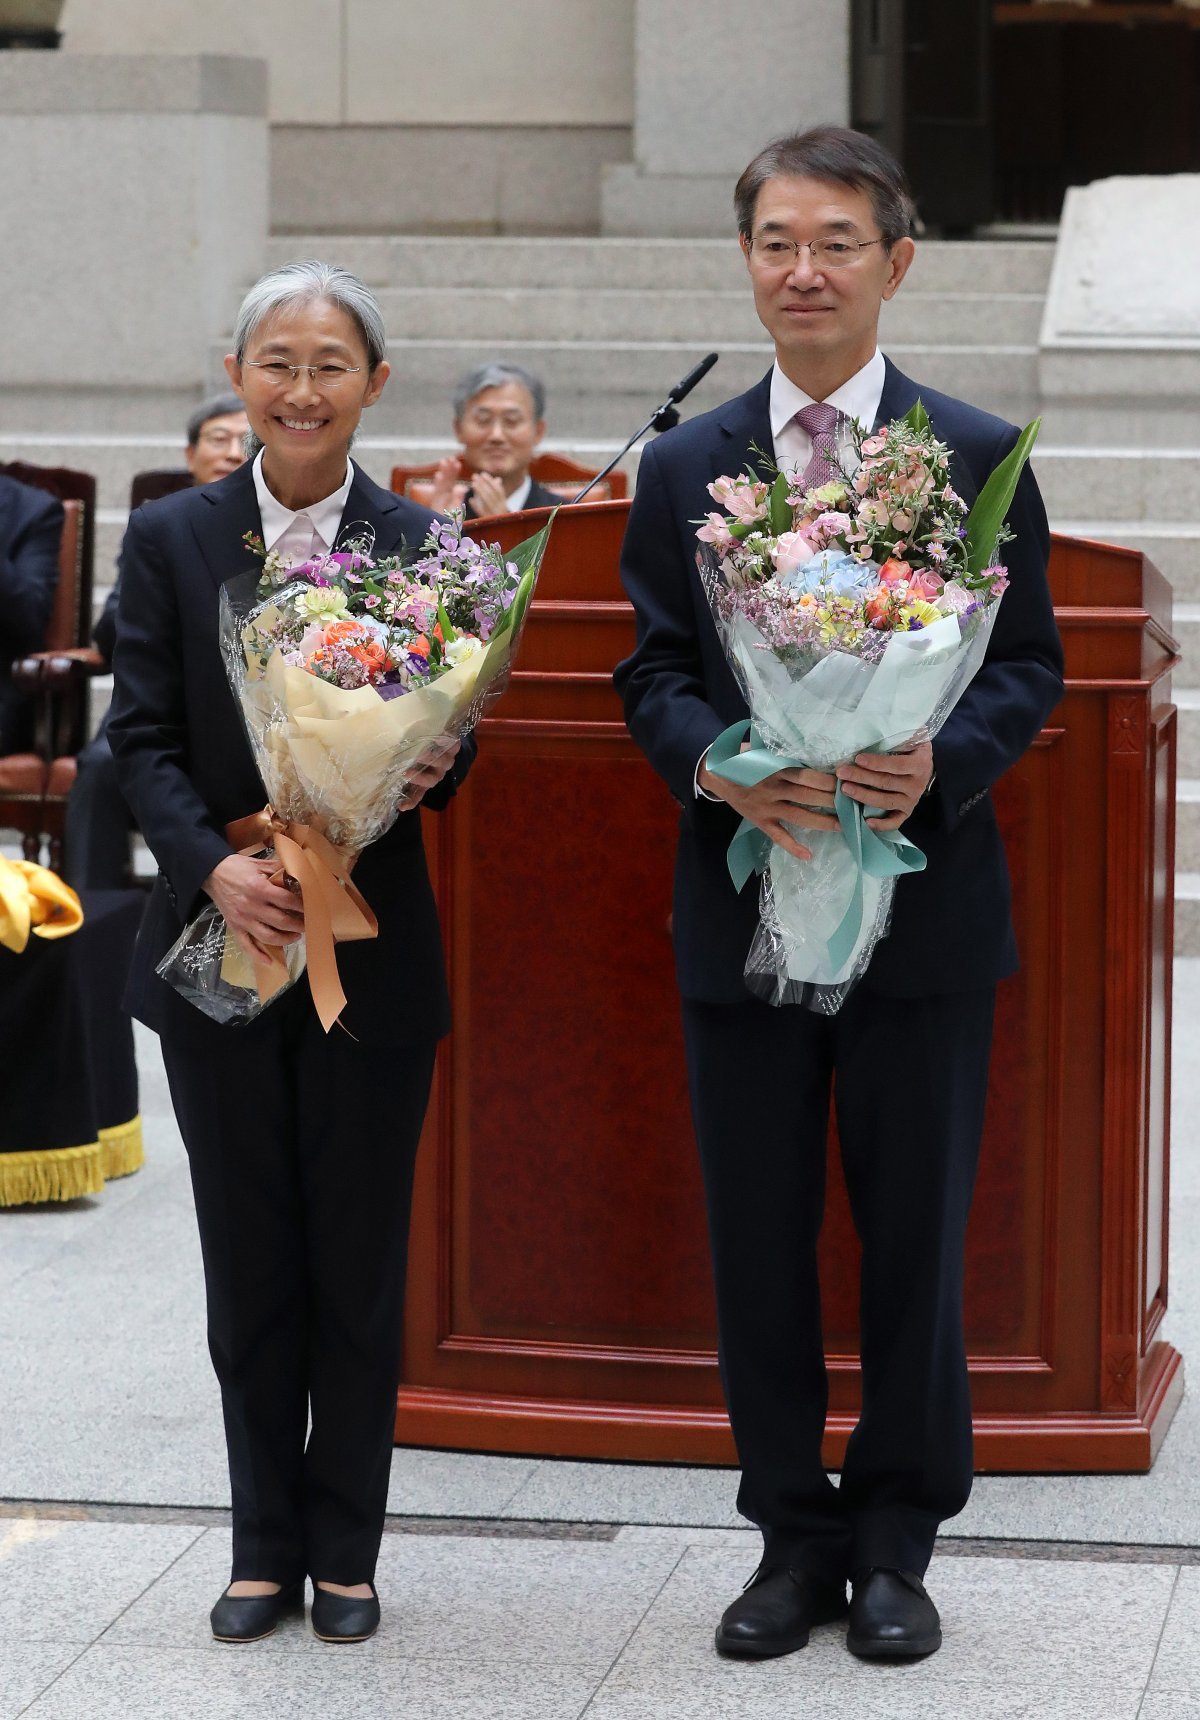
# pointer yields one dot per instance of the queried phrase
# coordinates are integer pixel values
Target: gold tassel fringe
(65, 1173)
(123, 1149)
(61, 1173)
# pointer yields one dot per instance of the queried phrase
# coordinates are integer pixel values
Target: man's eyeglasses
(323, 375)
(222, 438)
(772, 251)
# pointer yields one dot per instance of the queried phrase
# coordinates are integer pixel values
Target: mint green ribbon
(875, 853)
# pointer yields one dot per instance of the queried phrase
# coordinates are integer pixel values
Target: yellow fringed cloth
(66, 1052)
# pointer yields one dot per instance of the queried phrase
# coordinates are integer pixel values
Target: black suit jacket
(187, 770)
(31, 524)
(951, 925)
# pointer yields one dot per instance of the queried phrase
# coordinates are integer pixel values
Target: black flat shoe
(776, 1613)
(892, 1617)
(248, 1618)
(343, 1618)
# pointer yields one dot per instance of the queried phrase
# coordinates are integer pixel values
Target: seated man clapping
(499, 420)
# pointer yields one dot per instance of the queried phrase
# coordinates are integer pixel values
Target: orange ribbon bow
(335, 912)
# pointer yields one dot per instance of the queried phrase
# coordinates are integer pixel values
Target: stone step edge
(733, 294)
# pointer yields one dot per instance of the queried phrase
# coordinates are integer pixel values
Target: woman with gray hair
(301, 1144)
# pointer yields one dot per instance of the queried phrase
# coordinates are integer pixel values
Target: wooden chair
(565, 477)
(150, 486)
(34, 785)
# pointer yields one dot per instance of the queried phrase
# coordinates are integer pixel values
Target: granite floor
(519, 1587)
(108, 1618)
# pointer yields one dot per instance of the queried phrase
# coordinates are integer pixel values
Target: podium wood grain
(559, 1289)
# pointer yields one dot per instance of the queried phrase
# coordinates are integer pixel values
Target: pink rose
(791, 550)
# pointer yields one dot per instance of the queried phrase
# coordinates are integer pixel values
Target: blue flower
(831, 573)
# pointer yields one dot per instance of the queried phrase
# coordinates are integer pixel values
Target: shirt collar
(520, 495)
(326, 515)
(857, 398)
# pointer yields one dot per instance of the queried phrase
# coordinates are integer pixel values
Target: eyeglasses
(323, 375)
(484, 420)
(771, 251)
(222, 438)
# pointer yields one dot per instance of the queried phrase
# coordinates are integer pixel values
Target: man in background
(96, 839)
(30, 532)
(499, 417)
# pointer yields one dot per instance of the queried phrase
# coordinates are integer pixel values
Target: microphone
(664, 417)
(684, 388)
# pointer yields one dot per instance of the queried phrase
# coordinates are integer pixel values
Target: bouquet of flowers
(351, 673)
(853, 616)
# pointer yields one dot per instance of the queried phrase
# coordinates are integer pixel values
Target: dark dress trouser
(909, 1078)
(301, 1146)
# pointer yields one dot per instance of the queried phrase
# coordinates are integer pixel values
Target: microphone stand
(664, 417)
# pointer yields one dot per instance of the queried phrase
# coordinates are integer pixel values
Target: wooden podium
(559, 1288)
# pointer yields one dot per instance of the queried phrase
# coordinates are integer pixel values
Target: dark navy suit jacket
(951, 924)
(30, 534)
(186, 768)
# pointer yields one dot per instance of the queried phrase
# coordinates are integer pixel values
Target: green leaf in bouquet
(917, 418)
(372, 587)
(449, 631)
(779, 514)
(994, 500)
(529, 553)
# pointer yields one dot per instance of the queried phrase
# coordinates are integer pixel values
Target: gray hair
(216, 406)
(303, 283)
(496, 376)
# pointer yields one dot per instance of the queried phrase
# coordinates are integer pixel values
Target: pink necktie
(821, 423)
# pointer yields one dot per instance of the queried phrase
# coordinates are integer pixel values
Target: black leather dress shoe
(776, 1613)
(343, 1618)
(248, 1618)
(891, 1617)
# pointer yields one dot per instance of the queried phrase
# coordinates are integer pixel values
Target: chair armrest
(57, 682)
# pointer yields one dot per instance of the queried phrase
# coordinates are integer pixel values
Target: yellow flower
(918, 610)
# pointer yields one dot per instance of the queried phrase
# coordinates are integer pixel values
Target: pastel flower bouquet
(854, 616)
(351, 674)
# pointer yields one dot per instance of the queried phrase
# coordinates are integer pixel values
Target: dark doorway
(996, 107)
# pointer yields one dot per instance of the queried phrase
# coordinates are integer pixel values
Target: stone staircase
(594, 319)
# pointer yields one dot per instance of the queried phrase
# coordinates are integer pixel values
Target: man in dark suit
(824, 221)
(96, 837)
(301, 1144)
(30, 533)
(499, 417)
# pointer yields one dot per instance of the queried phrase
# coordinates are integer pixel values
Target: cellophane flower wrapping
(853, 617)
(350, 675)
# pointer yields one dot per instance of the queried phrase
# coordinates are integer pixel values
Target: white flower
(460, 649)
(322, 602)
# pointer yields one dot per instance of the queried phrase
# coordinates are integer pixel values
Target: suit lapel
(744, 424)
(900, 394)
(372, 511)
(232, 511)
(219, 528)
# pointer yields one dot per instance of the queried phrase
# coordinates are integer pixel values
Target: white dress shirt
(858, 398)
(298, 532)
(516, 501)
